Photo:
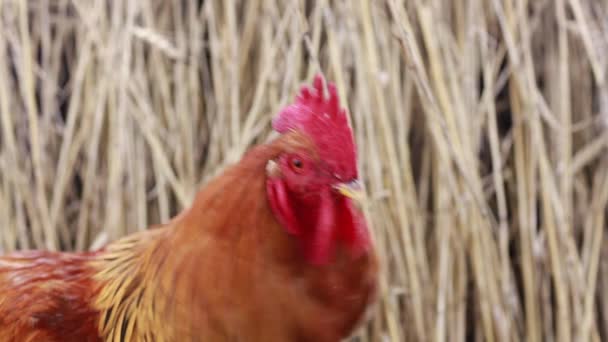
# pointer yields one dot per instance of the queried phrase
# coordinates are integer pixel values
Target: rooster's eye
(296, 163)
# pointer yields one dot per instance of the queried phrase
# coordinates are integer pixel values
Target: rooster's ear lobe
(272, 169)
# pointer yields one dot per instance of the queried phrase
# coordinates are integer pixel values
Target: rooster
(273, 249)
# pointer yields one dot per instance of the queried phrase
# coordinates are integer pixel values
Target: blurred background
(482, 128)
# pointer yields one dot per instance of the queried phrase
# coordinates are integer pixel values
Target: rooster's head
(313, 188)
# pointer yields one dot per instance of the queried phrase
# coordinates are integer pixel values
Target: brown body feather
(47, 297)
(223, 270)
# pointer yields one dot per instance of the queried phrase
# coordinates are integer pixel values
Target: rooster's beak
(351, 190)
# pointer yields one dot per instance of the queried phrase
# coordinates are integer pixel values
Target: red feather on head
(326, 123)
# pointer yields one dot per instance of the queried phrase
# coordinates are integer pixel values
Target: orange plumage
(271, 250)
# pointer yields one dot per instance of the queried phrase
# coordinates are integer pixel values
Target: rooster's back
(47, 296)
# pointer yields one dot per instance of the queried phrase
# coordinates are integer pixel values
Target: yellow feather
(126, 273)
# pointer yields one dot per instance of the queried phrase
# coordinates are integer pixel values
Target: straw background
(482, 128)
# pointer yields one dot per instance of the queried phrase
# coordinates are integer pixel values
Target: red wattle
(352, 229)
(322, 242)
(282, 206)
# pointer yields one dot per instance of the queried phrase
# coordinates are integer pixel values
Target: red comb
(325, 122)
